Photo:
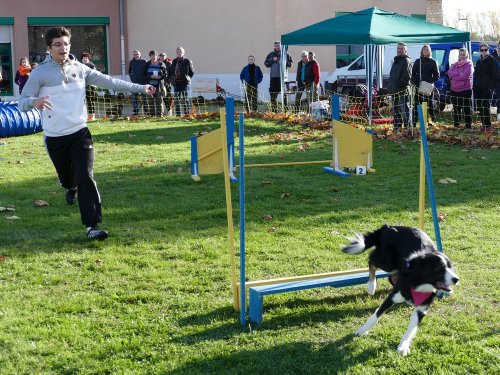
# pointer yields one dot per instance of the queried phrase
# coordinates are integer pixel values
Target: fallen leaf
(267, 182)
(131, 135)
(160, 137)
(12, 217)
(271, 229)
(179, 170)
(98, 261)
(2, 258)
(40, 203)
(11, 209)
(451, 180)
(443, 181)
(303, 147)
(285, 195)
(334, 190)
(441, 217)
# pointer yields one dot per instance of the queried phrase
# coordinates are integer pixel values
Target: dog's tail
(361, 242)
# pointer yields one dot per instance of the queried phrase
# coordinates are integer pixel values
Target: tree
(482, 26)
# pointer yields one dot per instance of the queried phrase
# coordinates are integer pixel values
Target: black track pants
(73, 158)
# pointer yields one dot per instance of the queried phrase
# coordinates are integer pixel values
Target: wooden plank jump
(257, 293)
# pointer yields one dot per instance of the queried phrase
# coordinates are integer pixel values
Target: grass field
(155, 297)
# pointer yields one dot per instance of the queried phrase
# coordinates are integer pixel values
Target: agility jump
(352, 149)
(259, 288)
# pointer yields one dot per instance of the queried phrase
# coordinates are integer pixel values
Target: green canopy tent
(373, 28)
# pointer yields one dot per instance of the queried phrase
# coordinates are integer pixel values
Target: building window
(83, 39)
(88, 34)
(7, 68)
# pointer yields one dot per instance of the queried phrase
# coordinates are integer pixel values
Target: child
(23, 73)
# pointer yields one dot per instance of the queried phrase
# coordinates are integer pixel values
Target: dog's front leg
(389, 301)
(372, 280)
(411, 331)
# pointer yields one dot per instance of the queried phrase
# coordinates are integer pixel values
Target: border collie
(417, 272)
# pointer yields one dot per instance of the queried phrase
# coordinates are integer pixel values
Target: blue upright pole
(430, 185)
(194, 157)
(242, 224)
(336, 107)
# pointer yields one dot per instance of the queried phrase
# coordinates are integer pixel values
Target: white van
(344, 78)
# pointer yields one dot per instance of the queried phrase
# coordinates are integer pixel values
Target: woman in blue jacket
(251, 75)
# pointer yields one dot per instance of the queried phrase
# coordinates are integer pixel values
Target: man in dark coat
(273, 62)
(251, 75)
(136, 68)
(181, 72)
(398, 86)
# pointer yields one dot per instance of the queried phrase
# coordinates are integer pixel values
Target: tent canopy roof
(373, 26)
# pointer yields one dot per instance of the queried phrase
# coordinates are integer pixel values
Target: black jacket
(136, 70)
(308, 74)
(399, 77)
(430, 71)
(485, 74)
(496, 57)
(186, 71)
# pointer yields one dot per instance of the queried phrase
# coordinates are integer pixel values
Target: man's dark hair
(56, 32)
(85, 54)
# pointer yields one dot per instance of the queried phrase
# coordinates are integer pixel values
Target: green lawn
(155, 297)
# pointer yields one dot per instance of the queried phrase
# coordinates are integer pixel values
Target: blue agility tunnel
(14, 123)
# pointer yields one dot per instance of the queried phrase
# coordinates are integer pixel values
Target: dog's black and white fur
(418, 271)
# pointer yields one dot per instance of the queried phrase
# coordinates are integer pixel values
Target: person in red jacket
(316, 74)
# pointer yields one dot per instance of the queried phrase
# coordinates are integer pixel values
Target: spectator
(181, 71)
(34, 65)
(90, 90)
(156, 72)
(496, 56)
(273, 60)
(56, 88)
(425, 69)
(136, 69)
(460, 74)
(316, 74)
(399, 84)
(251, 75)
(483, 82)
(167, 92)
(303, 74)
(23, 73)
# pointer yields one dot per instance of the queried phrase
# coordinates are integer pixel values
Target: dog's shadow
(222, 323)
